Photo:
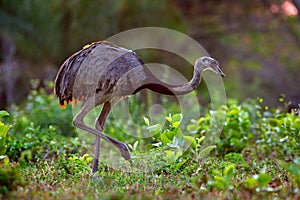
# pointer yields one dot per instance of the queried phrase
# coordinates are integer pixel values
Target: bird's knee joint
(98, 126)
(77, 122)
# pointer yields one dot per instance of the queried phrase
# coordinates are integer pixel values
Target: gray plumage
(81, 75)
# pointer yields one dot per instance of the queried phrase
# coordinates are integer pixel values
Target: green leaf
(169, 119)
(4, 113)
(154, 129)
(234, 157)
(192, 128)
(176, 124)
(170, 155)
(135, 144)
(89, 160)
(219, 182)
(3, 130)
(178, 154)
(191, 140)
(263, 179)
(203, 119)
(147, 122)
(179, 164)
(274, 122)
(3, 148)
(27, 154)
(199, 140)
(170, 134)
(177, 118)
(229, 172)
(165, 139)
(293, 168)
(250, 183)
(234, 112)
(206, 151)
(150, 146)
(281, 99)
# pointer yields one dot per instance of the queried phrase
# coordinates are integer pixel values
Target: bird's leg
(78, 122)
(99, 124)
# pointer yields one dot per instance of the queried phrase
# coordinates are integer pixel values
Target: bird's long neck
(189, 86)
(156, 85)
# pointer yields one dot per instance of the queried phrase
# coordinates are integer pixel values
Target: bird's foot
(96, 179)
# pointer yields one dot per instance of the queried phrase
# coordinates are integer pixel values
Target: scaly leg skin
(78, 122)
(99, 125)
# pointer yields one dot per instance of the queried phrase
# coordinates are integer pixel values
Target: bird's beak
(219, 71)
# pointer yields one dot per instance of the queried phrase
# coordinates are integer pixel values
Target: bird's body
(106, 69)
(102, 73)
(94, 69)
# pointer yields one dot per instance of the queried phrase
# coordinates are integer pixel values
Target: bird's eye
(214, 62)
(206, 61)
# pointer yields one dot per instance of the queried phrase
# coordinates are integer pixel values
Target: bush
(41, 129)
(3, 131)
(256, 153)
(42, 109)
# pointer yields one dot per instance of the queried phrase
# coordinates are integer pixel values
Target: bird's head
(207, 62)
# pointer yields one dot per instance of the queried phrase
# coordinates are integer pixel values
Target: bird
(104, 73)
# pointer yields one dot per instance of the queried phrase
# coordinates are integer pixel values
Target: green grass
(257, 155)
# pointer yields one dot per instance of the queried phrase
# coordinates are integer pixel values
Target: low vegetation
(257, 156)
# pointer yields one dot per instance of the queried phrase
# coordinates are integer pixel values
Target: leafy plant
(73, 165)
(42, 109)
(222, 181)
(40, 129)
(257, 181)
(294, 169)
(3, 131)
(10, 178)
(256, 154)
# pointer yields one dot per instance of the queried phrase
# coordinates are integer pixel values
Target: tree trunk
(9, 68)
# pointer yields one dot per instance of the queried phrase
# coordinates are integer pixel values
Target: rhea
(103, 73)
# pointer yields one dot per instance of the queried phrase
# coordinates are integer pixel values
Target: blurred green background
(257, 42)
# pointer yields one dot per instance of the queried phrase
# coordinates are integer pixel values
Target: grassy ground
(257, 156)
